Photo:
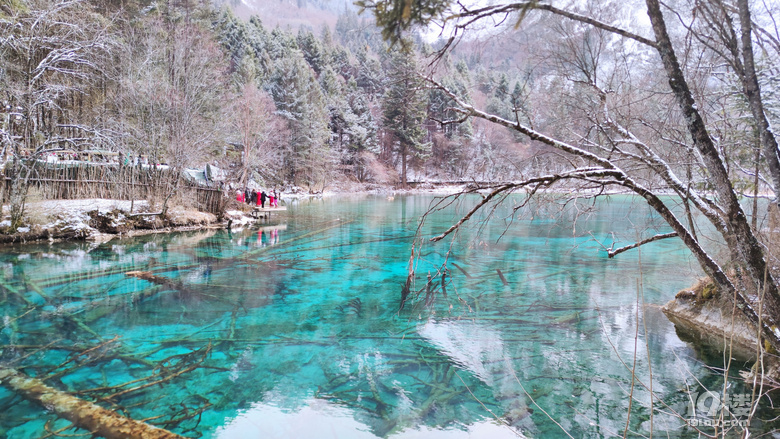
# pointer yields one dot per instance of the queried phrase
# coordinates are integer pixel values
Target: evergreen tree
(332, 88)
(258, 40)
(451, 140)
(281, 45)
(313, 51)
(405, 109)
(360, 130)
(341, 61)
(299, 100)
(502, 89)
(234, 37)
(326, 37)
(370, 75)
(231, 33)
(519, 101)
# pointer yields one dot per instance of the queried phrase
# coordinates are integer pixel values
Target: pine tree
(405, 109)
(313, 51)
(299, 100)
(231, 33)
(450, 140)
(360, 130)
(370, 74)
(502, 89)
(258, 40)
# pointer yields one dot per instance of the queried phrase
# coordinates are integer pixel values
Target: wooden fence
(80, 181)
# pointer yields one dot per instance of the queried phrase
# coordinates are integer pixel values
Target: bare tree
(260, 131)
(172, 91)
(619, 149)
(52, 54)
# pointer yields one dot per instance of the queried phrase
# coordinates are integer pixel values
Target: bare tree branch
(478, 14)
(613, 253)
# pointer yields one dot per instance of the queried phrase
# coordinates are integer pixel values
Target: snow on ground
(75, 206)
(74, 212)
(72, 215)
(239, 218)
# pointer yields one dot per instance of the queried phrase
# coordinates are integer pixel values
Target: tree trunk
(83, 414)
(403, 165)
(756, 103)
(18, 195)
(744, 247)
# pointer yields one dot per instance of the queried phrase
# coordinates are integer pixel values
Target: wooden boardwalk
(260, 212)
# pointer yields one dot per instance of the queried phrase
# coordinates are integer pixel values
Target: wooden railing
(120, 183)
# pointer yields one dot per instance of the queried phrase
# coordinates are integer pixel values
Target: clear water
(296, 330)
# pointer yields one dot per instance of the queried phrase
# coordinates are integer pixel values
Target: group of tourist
(258, 198)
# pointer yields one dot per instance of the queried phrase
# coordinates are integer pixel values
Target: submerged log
(501, 275)
(462, 270)
(83, 414)
(171, 284)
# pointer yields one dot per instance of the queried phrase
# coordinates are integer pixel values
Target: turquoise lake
(292, 328)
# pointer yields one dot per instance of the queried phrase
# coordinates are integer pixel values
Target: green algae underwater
(293, 327)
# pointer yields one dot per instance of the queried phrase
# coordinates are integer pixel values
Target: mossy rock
(708, 291)
(685, 295)
(704, 291)
(768, 346)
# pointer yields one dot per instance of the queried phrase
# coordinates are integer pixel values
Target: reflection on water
(321, 419)
(293, 329)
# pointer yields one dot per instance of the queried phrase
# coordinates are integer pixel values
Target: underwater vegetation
(224, 334)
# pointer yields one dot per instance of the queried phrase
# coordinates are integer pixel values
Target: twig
(613, 253)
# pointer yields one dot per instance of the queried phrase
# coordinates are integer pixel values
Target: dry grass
(704, 289)
(377, 170)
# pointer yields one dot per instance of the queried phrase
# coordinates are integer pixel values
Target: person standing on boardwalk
(263, 196)
(273, 199)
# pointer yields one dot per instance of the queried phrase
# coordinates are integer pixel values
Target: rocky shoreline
(705, 317)
(100, 220)
(708, 320)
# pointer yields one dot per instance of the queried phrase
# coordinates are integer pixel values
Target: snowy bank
(102, 219)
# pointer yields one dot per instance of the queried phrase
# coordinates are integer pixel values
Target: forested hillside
(290, 13)
(187, 83)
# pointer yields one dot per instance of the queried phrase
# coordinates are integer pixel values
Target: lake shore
(104, 219)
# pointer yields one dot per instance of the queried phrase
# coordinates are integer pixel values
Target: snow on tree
(621, 138)
(51, 54)
(404, 106)
(299, 100)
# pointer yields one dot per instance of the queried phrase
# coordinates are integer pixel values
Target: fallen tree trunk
(161, 280)
(83, 414)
